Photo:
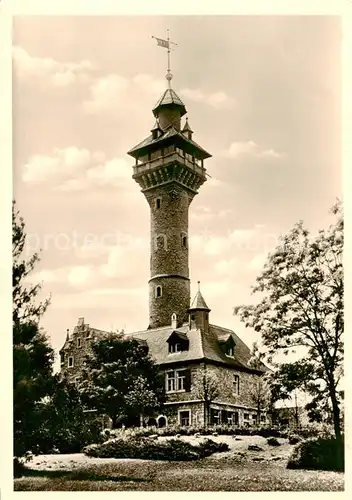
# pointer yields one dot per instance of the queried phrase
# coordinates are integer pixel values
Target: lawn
(235, 470)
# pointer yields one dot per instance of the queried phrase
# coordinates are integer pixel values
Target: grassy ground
(235, 470)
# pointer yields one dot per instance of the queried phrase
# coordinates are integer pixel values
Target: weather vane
(166, 44)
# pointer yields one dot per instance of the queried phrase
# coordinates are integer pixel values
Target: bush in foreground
(320, 454)
(152, 449)
(294, 439)
(272, 441)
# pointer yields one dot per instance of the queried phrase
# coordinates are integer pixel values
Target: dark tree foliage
(32, 355)
(121, 380)
(302, 307)
(63, 425)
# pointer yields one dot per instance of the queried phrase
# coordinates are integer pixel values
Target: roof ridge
(223, 328)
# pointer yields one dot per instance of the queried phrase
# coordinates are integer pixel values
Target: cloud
(227, 267)
(78, 275)
(257, 263)
(58, 74)
(115, 91)
(218, 100)
(72, 275)
(250, 148)
(74, 169)
(60, 165)
(120, 263)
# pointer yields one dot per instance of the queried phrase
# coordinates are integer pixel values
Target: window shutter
(187, 380)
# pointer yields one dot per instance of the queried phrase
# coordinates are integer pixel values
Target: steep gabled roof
(202, 347)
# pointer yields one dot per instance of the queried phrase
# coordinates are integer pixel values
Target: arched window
(158, 203)
(158, 291)
(184, 241)
(160, 242)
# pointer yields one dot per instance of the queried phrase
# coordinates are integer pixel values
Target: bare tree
(261, 390)
(207, 388)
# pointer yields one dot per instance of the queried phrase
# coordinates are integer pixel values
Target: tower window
(62, 357)
(236, 384)
(158, 291)
(70, 361)
(184, 241)
(79, 343)
(193, 317)
(158, 203)
(161, 242)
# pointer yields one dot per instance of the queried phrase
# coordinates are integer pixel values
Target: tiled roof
(170, 132)
(186, 127)
(202, 346)
(199, 302)
(169, 97)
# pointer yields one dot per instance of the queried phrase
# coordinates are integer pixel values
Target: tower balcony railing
(168, 158)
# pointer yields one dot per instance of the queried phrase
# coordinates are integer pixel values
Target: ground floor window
(185, 417)
(214, 417)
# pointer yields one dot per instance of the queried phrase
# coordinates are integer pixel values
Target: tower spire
(167, 45)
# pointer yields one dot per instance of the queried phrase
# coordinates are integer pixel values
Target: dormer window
(230, 351)
(228, 345)
(178, 342)
(175, 347)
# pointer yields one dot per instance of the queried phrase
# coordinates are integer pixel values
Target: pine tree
(32, 355)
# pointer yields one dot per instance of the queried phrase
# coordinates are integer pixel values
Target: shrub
(272, 441)
(320, 454)
(146, 448)
(294, 439)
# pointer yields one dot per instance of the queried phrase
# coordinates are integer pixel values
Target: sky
(263, 97)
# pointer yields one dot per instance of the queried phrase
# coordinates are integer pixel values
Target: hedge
(191, 430)
(153, 449)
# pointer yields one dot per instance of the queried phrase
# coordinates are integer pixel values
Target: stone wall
(168, 254)
(228, 400)
(79, 352)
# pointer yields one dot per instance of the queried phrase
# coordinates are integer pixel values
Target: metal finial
(198, 286)
(166, 44)
(67, 333)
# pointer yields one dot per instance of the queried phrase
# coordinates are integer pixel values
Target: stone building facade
(169, 168)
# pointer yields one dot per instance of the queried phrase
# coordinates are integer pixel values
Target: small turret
(199, 312)
(156, 130)
(187, 131)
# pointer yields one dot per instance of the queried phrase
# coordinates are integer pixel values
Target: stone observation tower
(169, 167)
